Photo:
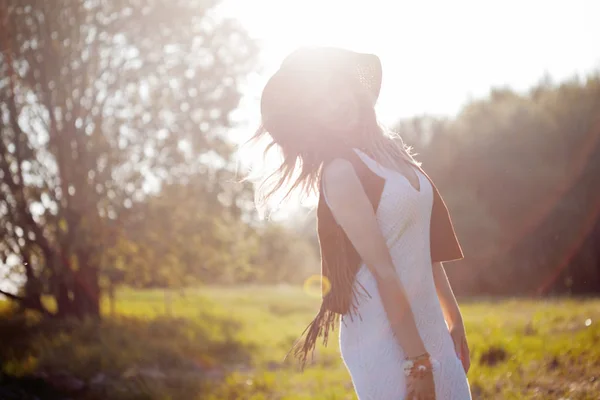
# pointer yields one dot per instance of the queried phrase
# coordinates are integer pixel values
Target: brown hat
(302, 74)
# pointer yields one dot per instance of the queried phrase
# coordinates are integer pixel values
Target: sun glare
(287, 24)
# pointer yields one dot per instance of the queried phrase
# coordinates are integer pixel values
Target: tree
(100, 104)
(521, 175)
(184, 235)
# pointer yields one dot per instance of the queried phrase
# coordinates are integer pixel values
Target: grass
(229, 343)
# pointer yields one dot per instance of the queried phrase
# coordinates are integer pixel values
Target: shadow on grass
(117, 358)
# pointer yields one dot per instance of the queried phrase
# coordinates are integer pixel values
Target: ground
(229, 343)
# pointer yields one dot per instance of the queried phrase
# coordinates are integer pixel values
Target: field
(229, 343)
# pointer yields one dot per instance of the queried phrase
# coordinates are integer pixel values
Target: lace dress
(369, 349)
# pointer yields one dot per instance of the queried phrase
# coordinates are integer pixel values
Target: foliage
(284, 255)
(521, 176)
(100, 104)
(186, 235)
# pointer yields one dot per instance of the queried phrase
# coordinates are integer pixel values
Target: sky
(436, 55)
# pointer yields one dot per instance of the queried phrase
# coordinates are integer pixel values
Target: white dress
(369, 349)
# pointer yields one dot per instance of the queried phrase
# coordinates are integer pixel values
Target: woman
(383, 229)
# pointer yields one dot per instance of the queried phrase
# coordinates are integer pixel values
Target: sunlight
(288, 24)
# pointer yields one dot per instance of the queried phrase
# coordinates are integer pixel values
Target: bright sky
(435, 54)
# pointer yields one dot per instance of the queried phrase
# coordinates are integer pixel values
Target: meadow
(229, 343)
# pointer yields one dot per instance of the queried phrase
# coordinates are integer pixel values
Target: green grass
(229, 343)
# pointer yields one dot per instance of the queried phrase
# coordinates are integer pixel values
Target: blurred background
(134, 264)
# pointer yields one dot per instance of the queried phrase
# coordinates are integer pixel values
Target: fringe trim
(321, 326)
(342, 299)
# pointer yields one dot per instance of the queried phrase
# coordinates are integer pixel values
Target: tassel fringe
(321, 326)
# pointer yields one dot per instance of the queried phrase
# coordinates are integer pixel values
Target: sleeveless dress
(368, 347)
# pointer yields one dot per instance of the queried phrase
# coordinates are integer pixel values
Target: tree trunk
(79, 297)
(86, 292)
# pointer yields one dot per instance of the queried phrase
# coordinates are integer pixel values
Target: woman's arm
(452, 313)
(354, 213)
(446, 296)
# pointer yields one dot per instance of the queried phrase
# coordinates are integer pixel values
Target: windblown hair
(299, 171)
(306, 144)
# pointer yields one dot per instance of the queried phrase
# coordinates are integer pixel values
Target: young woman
(383, 229)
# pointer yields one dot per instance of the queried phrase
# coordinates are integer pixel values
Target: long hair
(291, 125)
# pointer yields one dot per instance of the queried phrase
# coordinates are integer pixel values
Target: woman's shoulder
(346, 166)
(339, 178)
(343, 177)
(339, 167)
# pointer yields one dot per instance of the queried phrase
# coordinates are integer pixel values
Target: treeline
(521, 175)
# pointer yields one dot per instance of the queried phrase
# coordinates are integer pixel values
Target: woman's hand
(420, 385)
(459, 337)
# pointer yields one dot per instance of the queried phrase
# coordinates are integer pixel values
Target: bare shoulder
(340, 178)
(338, 168)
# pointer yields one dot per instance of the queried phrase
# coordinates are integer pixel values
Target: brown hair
(292, 104)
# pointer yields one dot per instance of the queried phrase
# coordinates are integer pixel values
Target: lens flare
(316, 285)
